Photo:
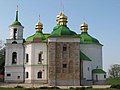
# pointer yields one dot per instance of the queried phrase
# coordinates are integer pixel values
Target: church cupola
(39, 26)
(16, 29)
(61, 19)
(84, 27)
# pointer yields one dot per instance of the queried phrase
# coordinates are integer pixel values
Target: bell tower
(14, 62)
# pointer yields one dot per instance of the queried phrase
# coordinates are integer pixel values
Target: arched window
(64, 47)
(15, 34)
(14, 42)
(27, 75)
(39, 75)
(27, 58)
(40, 57)
(14, 58)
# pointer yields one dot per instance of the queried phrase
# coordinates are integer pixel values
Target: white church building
(61, 57)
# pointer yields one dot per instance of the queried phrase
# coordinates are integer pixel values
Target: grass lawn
(113, 81)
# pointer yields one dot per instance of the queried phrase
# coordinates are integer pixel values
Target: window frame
(39, 74)
(14, 58)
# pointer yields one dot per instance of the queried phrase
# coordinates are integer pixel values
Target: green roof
(85, 38)
(98, 71)
(38, 35)
(62, 30)
(83, 57)
(16, 23)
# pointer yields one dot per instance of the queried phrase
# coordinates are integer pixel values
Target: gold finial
(84, 27)
(39, 25)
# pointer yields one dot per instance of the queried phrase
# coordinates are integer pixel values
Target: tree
(2, 57)
(114, 71)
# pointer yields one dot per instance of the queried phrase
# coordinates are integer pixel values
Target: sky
(102, 17)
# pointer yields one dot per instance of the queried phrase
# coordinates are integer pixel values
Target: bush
(19, 87)
(54, 87)
(80, 88)
(115, 86)
(71, 88)
(43, 87)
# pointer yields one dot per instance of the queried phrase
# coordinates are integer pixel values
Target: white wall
(94, 52)
(87, 73)
(15, 71)
(19, 49)
(33, 67)
(100, 76)
(19, 32)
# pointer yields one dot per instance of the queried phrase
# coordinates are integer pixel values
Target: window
(27, 58)
(64, 65)
(39, 75)
(15, 34)
(88, 68)
(18, 77)
(14, 42)
(27, 75)
(96, 67)
(104, 76)
(64, 48)
(40, 57)
(8, 75)
(96, 77)
(14, 58)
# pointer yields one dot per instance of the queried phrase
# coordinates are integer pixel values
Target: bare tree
(114, 71)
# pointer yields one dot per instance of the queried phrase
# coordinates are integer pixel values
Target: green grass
(113, 81)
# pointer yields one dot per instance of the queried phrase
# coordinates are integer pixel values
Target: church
(62, 57)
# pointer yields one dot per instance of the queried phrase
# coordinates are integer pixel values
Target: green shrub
(71, 88)
(115, 86)
(44, 87)
(19, 87)
(54, 87)
(80, 88)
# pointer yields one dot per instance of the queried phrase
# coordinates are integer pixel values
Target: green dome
(85, 38)
(16, 23)
(62, 30)
(36, 35)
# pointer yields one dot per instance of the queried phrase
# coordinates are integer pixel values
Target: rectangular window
(64, 65)
(14, 58)
(64, 48)
(8, 75)
(40, 57)
(27, 58)
(27, 75)
(104, 76)
(39, 74)
(15, 34)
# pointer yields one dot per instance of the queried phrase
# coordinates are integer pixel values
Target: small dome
(84, 27)
(61, 19)
(39, 25)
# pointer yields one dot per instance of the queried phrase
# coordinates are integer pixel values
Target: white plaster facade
(94, 52)
(87, 70)
(33, 66)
